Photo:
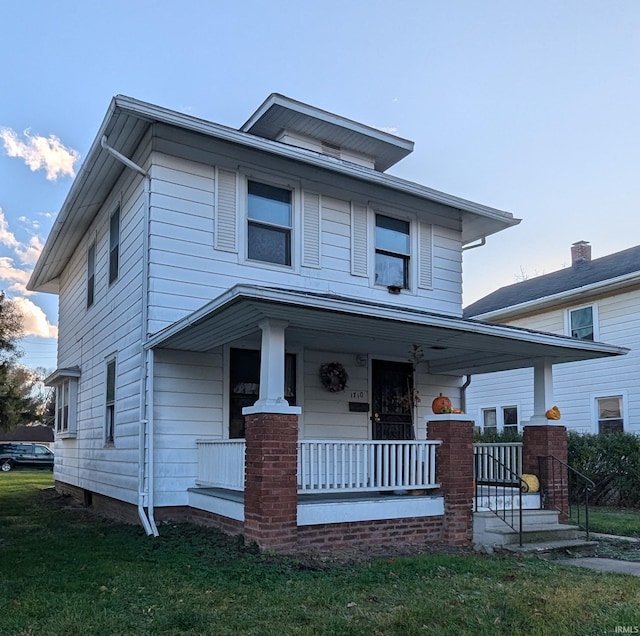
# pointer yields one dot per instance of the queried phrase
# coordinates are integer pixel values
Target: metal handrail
(514, 481)
(546, 490)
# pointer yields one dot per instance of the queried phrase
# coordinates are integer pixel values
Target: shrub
(612, 462)
(496, 437)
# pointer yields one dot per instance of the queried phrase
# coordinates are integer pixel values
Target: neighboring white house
(207, 274)
(592, 300)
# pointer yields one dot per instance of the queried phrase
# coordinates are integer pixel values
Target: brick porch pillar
(454, 471)
(271, 466)
(541, 441)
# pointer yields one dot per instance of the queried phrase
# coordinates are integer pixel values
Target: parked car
(15, 455)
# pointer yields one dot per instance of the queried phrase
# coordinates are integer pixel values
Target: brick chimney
(580, 252)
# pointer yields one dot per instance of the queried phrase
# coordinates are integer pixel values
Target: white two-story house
(591, 300)
(254, 323)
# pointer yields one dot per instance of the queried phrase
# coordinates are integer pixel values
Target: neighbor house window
(503, 418)
(91, 273)
(269, 226)
(114, 245)
(110, 416)
(510, 418)
(610, 414)
(582, 323)
(392, 252)
(489, 420)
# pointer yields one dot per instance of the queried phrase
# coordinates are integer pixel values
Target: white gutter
(146, 384)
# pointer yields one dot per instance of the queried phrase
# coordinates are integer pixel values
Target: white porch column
(542, 391)
(271, 398)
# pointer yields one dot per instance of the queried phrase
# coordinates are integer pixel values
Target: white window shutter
(311, 230)
(425, 256)
(359, 240)
(226, 223)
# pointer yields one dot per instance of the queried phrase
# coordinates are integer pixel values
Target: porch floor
(327, 508)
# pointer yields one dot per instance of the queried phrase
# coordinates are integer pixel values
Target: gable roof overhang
(127, 122)
(451, 345)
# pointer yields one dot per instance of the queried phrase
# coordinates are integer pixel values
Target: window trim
(409, 259)
(110, 404)
(290, 229)
(594, 317)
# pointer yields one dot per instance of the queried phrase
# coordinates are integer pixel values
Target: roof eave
(562, 298)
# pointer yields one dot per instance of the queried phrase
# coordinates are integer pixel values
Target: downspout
(463, 394)
(146, 386)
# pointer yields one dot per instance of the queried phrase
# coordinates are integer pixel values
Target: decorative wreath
(333, 376)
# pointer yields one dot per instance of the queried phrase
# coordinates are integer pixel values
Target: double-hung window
(393, 248)
(269, 223)
(582, 323)
(114, 245)
(62, 406)
(110, 402)
(610, 414)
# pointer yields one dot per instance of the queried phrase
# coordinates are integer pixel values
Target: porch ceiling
(453, 346)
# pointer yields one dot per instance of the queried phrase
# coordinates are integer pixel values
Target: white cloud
(17, 278)
(29, 254)
(41, 152)
(6, 236)
(35, 322)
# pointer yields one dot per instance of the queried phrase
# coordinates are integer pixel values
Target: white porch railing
(221, 463)
(330, 466)
(496, 462)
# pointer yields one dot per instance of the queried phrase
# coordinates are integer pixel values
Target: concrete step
(488, 520)
(538, 527)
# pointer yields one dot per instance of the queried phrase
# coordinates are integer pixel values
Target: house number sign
(358, 395)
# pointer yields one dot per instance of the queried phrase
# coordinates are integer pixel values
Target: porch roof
(451, 345)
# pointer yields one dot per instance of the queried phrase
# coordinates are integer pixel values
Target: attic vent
(331, 149)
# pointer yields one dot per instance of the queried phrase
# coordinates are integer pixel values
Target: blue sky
(527, 107)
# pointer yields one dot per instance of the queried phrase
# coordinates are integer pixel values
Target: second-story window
(393, 245)
(114, 245)
(269, 225)
(582, 323)
(91, 273)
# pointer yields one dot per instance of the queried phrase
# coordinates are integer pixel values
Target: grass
(66, 572)
(620, 522)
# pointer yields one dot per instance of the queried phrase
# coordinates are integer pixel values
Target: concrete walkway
(604, 565)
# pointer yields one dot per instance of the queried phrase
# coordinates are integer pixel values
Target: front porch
(338, 481)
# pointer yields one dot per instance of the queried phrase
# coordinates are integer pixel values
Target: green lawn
(625, 523)
(67, 572)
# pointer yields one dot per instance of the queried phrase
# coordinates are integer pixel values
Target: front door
(391, 391)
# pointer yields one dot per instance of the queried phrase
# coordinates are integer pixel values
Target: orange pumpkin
(442, 404)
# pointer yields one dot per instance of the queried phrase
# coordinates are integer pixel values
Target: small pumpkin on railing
(442, 404)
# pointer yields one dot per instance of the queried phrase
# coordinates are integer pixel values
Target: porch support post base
(454, 472)
(542, 441)
(271, 491)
